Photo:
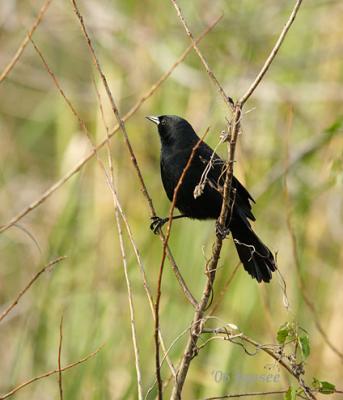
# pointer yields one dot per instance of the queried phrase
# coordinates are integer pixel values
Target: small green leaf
(283, 332)
(327, 387)
(304, 343)
(323, 386)
(291, 394)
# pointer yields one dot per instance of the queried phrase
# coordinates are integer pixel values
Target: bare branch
(110, 182)
(109, 179)
(24, 43)
(82, 162)
(272, 55)
(251, 394)
(233, 130)
(267, 349)
(221, 294)
(115, 110)
(129, 232)
(27, 287)
(91, 154)
(46, 374)
(211, 266)
(60, 385)
(228, 101)
(123, 254)
(165, 243)
(132, 311)
(307, 391)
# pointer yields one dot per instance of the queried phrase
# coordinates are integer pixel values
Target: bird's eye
(163, 122)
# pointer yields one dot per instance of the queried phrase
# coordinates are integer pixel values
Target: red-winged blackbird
(199, 195)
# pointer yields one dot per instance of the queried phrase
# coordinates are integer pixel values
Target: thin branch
(109, 180)
(27, 287)
(179, 277)
(267, 349)
(228, 101)
(142, 270)
(128, 115)
(211, 266)
(46, 374)
(60, 385)
(233, 130)
(95, 149)
(145, 282)
(26, 40)
(123, 254)
(175, 340)
(272, 55)
(82, 162)
(251, 394)
(30, 235)
(307, 391)
(121, 123)
(113, 104)
(91, 154)
(221, 294)
(165, 243)
(116, 113)
(129, 232)
(132, 311)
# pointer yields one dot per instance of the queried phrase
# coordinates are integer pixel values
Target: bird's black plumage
(194, 200)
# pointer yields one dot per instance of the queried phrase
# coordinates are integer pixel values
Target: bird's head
(173, 129)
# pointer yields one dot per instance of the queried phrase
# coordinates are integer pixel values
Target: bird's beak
(153, 119)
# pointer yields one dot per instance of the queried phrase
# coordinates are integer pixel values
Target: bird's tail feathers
(255, 256)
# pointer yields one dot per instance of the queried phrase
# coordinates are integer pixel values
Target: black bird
(199, 195)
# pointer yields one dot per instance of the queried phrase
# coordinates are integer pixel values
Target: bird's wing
(214, 175)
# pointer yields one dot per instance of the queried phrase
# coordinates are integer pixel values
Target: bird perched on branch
(200, 194)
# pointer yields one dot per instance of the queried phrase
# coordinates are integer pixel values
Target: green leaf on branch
(284, 332)
(304, 343)
(323, 387)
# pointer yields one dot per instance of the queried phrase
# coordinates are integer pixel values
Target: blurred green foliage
(298, 106)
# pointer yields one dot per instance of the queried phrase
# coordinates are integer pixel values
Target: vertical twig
(60, 385)
(112, 102)
(110, 184)
(132, 312)
(52, 189)
(228, 101)
(121, 123)
(164, 253)
(124, 259)
(211, 267)
(273, 53)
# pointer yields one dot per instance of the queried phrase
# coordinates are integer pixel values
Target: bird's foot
(221, 231)
(157, 223)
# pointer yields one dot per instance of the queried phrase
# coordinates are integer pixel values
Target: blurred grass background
(297, 106)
